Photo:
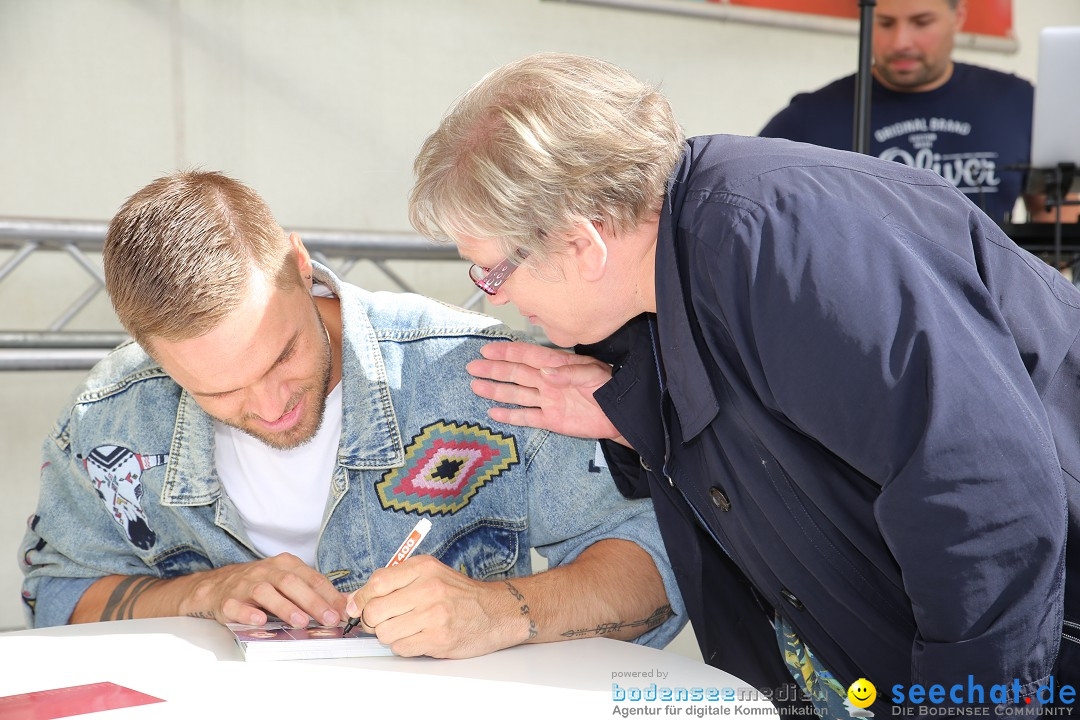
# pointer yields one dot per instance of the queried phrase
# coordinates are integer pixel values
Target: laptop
(1055, 136)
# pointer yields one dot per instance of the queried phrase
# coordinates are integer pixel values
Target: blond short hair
(541, 144)
(179, 254)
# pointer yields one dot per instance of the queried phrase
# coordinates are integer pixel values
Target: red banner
(984, 17)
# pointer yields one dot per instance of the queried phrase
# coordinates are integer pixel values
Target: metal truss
(58, 348)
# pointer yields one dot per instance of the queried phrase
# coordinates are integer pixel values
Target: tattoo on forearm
(524, 609)
(658, 617)
(121, 603)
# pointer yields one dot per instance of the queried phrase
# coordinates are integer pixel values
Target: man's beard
(304, 430)
(922, 74)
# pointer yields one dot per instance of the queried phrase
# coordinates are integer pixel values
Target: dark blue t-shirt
(968, 130)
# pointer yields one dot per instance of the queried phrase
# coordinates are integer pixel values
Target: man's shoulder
(816, 116)
(826, 98)
(122, 368)
(987, 81)
(760, 167)
(410, 317)
(124, 382)
(840, 89)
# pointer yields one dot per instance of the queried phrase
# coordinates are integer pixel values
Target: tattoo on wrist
(201, 614)
(524, 609)
(658, 617)
(121, 603)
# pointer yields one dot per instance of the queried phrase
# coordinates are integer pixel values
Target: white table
(197, 669)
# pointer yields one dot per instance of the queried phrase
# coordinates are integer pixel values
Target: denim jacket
(128, 483)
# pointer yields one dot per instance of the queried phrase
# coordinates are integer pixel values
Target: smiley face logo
(862, 693)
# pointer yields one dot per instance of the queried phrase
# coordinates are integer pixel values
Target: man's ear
(589, 250)
(961, 15)
(303, 258)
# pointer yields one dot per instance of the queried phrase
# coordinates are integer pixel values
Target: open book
(278, 641)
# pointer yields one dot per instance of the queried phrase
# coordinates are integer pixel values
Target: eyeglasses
(490, 279)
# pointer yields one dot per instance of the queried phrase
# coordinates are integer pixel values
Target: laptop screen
(1055, 136)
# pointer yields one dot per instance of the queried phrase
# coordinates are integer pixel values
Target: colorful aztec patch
(445, 466)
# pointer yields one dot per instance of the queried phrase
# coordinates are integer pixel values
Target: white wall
(320, 106)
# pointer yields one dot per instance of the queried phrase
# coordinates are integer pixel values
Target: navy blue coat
(858, 405)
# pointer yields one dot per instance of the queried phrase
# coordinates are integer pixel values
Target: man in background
(967, 123)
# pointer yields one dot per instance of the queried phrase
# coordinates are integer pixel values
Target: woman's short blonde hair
(541, 144)
(179, 254)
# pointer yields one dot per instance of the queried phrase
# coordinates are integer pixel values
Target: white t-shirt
(281, 494)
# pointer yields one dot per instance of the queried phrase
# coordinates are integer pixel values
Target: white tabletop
(195, 666)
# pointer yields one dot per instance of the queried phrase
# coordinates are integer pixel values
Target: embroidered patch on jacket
(32, 523)
(445, 466)
(115, 472)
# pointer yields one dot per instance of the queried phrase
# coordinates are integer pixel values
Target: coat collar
(688, 382)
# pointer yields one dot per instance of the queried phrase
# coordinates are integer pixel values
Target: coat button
(719, 499)
(790, 597)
